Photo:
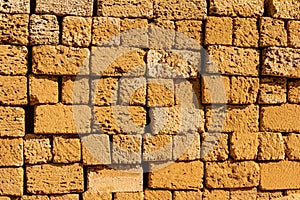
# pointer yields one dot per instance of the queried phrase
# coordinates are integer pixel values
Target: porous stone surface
(271, 146)
(245, 32)
(294, 91)
(11, 151)
(13, 90)
(272, 90)
(66, 150)
(244, 145)
(218, 30)
(12, 122)
(11, 181)
(15, 6)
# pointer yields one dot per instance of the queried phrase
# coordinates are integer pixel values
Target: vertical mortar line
(51, 138)
(208, 6)
(95, 7)
(32, 6)
(85, 178)
(59, 81)
(261, 50)
(60, 24)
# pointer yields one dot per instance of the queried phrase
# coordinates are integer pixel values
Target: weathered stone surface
(75, 90)
(294, 91)
(129, 195)
(283, 9)
(96, 195)
(189, 34)
(157, 194)
(292, 142)
(132, 91)
(106, 31)
(70, 7)
(157, 147)
(218, 30)
(182, 195)
(186, 175)
(13, 60)
(66, 150)
(11, 152)
(272, 90)
(161, 34)
(105, 91)
(273, 32)
(244, 90)
(243, 194)
(54, 179)
(65, 197)
(160, 92)
(232, 175)
(271, 146)
(214, 147)
(293, 28)
(12, 123)
(13, 90)
(244, 145)
(43, 29)
(284, 118)
(60, 60)
(215, 89)
(11, 181)
(35, 197)
(245, 33)
(15, 6)
(268, 195)
(14, 29)
(216, 195)
(187, 92)
(186, 147)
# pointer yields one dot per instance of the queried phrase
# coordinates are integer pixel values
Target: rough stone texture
(293, 28)
(157, 148)
(245, 33)
(75, 90)
(37, 149)
(186, 175)
(11, 152)
(273, 32)
(268, 195)
(157, 194)
(106, 31)
(96, 195)
(54, 179)
(232, 60)
(43, 90)
(218, 30)
(104, 91)
(161, 34)
(14, 29)
(175, 10)
(232, 174)
(271, 146)
(13, 90)
(283, 9)
(11, 181)
(284, 118)
(160, 92)
(65, 197)
(126, 149)
(43, 29)
(234, 8)
(13, 60)
(120, 119)
(189, 34)
(292, 142)
(182, 195)
(244, 145)
(272, 90)
(122, 179)
(34, 197)
(76, 31)
(244, 90)
(129, 195)
(127, 8)
(280, 175)
(243, 194)
(66, 150)
(294, 91)
(132, 91)
(61, 119)
(186, 147)
(5, 198)
(214, 147)
(281, 62)
(12, 123)
(61, 8)
(233, 118)
(216, 195)
(67, 60)
(15, 6)
(187, 92)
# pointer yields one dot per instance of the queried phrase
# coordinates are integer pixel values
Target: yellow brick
(157, 148)
(106, 31)
(186, 147)
(75, 90)
(294, 91)
(96, 195)
(215, 89)
(161, 34)
(11, 152)
(283, 9)
(192, 195)
(272, 90)
(214, 147)
(271, 146)
(244, 90)
(160, 92)
(11, 181)
(15, 6)
(13, 90)
(187, 92)
(273, 32)
(105, 91)
(245, 32)
(215, 195)
(157, 194)
(218, 30)
(65, 197)
(129, 195)
(132, 91)
(34, 197)
(268, 195)
(189, 34)
(13, 121)
(294, 33)
(66, 150)
(244, 145)
(243, 194)
(292, 142)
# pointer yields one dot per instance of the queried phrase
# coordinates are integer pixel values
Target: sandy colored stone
(214, 147)
(173, 64)
(187, 92)
(233, 118)
(292, 143)
(283, 118)
(234, 8)
(54, 179)
(67, 60)
(126, 149)
(157, 194)
(96, 195)
(106, 31)
(293, 28)
(118, 61)
(13, 60)
(218, 30)
(186, 147)
(189, 34)
(13, 90)
(37, 149)
(15, 6)
(43, 90)
(182, 195)
(232, 60)
(273, 32)
(65, 197)
(76, 31)
(160, 92)
(280, 175)
(120, 119)
(62, 119)
(187, 175)
(118, 179)
(215, 89)
(244, 90)
(127, 8)
(294, 91)
(96, 149)
(5, 198)
(157, 148)
(175, 10)
(243, 194)
(216, 195)
(245, 33)
(132, 91)
(14, 29)
(11, 181)
(11, 152)
(283, 9)
(12, 121)
(66, 150)
(232, 174)
(43, 29)
(61, 8)
(161, 34)
(269, 195)
(35, 197)
(271, 146)
(104, 91)
(244, 145)
(272, 90)
(129, 195)
(75, 90)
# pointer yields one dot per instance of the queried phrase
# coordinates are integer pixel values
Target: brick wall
(149, 99)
